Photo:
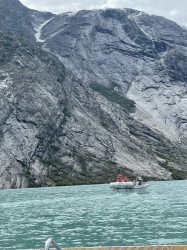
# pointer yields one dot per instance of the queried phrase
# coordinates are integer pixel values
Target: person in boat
(119, 176)
(125, 179)
(139, 180)
(136, 180)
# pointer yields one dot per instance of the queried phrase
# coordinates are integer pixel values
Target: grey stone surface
(73, 123)
(145, 55)
(19, 21)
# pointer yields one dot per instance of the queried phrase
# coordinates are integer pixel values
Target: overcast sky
(175, 10)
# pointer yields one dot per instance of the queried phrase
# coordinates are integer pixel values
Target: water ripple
(94, 216)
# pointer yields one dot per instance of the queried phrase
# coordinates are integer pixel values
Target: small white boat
(128, 184)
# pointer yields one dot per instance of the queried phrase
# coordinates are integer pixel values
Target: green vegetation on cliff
(111, 95)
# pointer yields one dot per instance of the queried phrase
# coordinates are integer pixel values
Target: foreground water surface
(94, 215)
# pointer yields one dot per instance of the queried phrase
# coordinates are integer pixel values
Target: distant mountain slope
(19, 21)
(116, 104)
(56, 130)
(146, 56)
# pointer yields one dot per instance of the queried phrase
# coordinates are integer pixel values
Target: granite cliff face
(113, 100)
(144, 55)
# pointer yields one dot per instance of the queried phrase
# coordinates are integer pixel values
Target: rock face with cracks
(145, 56)
(111, 99)
(19, 21)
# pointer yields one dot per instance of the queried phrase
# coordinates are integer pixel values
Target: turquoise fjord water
(94, 215)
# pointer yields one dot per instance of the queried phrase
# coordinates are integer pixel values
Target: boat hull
(127, 185)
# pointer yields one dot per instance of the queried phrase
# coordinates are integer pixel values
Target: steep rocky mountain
(83, 121)
(19, 21)
(144, 55)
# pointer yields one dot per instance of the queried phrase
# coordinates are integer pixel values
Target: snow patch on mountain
(38, 30)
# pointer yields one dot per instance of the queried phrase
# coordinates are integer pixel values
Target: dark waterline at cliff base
(94, 215)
